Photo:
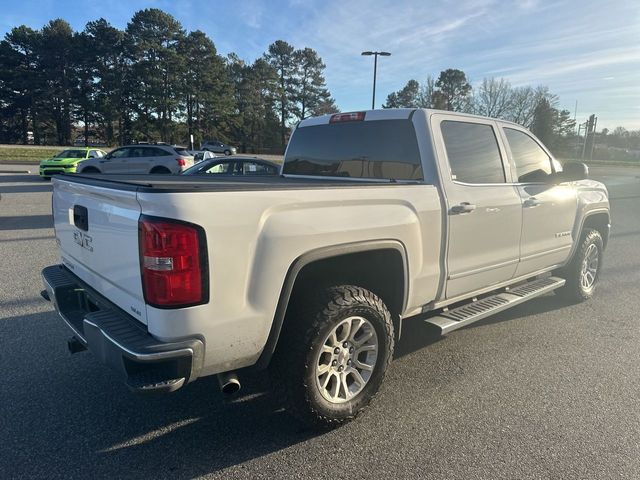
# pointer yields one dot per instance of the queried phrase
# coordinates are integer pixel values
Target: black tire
(160, 170)
(90, 170)
(294, 365)
(575, 290)
(227, 152)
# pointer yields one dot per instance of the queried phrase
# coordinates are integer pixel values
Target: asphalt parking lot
(542, 391)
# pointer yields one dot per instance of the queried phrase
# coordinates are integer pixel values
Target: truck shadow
(82, 420)
(416, 334)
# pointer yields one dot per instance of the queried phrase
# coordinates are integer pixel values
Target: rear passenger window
(532, 162)
(159, 152)
(472, 150)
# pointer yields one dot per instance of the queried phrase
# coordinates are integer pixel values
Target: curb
(35, 163)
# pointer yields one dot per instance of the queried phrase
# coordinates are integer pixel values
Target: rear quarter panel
(254, 237)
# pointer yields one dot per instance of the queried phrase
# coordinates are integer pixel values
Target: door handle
(464, 207)
(532, 202)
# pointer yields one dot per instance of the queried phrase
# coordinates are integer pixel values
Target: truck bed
(185, 183)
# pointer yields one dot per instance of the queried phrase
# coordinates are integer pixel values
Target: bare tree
(493, 98)
(425, 93)
(523, 105)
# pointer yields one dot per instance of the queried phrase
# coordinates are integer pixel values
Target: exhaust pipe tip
(229, 383)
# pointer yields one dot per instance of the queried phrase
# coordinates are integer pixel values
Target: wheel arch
(331, 264)
(598, 219)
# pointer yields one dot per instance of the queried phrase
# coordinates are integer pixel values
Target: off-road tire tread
(297, 341)
(572, 291)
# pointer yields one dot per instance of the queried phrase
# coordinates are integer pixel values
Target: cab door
(484, 210)
(548, 208)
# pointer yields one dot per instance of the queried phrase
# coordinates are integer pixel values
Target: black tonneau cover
(209, 183)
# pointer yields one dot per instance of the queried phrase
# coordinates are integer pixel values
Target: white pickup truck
(376, 217)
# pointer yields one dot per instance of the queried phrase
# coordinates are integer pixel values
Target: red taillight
(181, 162)
(347, 117)
(173, 263)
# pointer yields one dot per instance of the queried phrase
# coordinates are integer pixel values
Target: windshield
(72, 154)
(385, 149)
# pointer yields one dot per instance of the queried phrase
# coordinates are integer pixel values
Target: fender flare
(313, 256)
(584, 218)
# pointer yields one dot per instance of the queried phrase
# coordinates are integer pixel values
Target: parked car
(234, 166)
(140, 158)
(379, 216)
(218, 147)
(67, 160)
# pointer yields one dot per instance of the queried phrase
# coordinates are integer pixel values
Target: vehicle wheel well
(599, 222)
(379, 271)
(90, 170)
(160, 169)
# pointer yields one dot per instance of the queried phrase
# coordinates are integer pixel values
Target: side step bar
(451, 320)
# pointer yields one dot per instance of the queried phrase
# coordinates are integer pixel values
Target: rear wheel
(333, 355)
(162, 170)
(227, 152)
(583, 271)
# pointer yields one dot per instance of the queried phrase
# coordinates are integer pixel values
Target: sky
(586, 51)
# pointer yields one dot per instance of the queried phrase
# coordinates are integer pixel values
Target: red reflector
(173, 263)
(347, 117)
(181, 162)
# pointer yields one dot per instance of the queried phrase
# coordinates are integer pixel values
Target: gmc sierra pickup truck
(377, 216)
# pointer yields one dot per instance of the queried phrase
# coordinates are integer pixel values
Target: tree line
(534, 108)
(152, 81)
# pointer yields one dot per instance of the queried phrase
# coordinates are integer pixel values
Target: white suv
(151, 158)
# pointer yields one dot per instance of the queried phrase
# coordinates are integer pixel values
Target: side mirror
(573, 171)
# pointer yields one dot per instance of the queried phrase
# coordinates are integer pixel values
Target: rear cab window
(374, 149)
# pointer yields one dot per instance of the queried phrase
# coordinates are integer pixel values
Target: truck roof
(393, 114)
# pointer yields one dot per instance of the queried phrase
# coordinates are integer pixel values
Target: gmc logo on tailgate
(83, 240)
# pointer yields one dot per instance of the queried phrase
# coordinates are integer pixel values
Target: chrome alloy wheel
(589, 267)
(347, 359)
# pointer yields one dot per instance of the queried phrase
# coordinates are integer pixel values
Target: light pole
(375, 68)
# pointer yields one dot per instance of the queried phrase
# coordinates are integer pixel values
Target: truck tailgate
(97, 231)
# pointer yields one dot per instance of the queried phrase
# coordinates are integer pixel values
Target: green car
(67, 161)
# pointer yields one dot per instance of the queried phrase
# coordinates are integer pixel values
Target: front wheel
(583, 271)
(227, 152)
(333, 355)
